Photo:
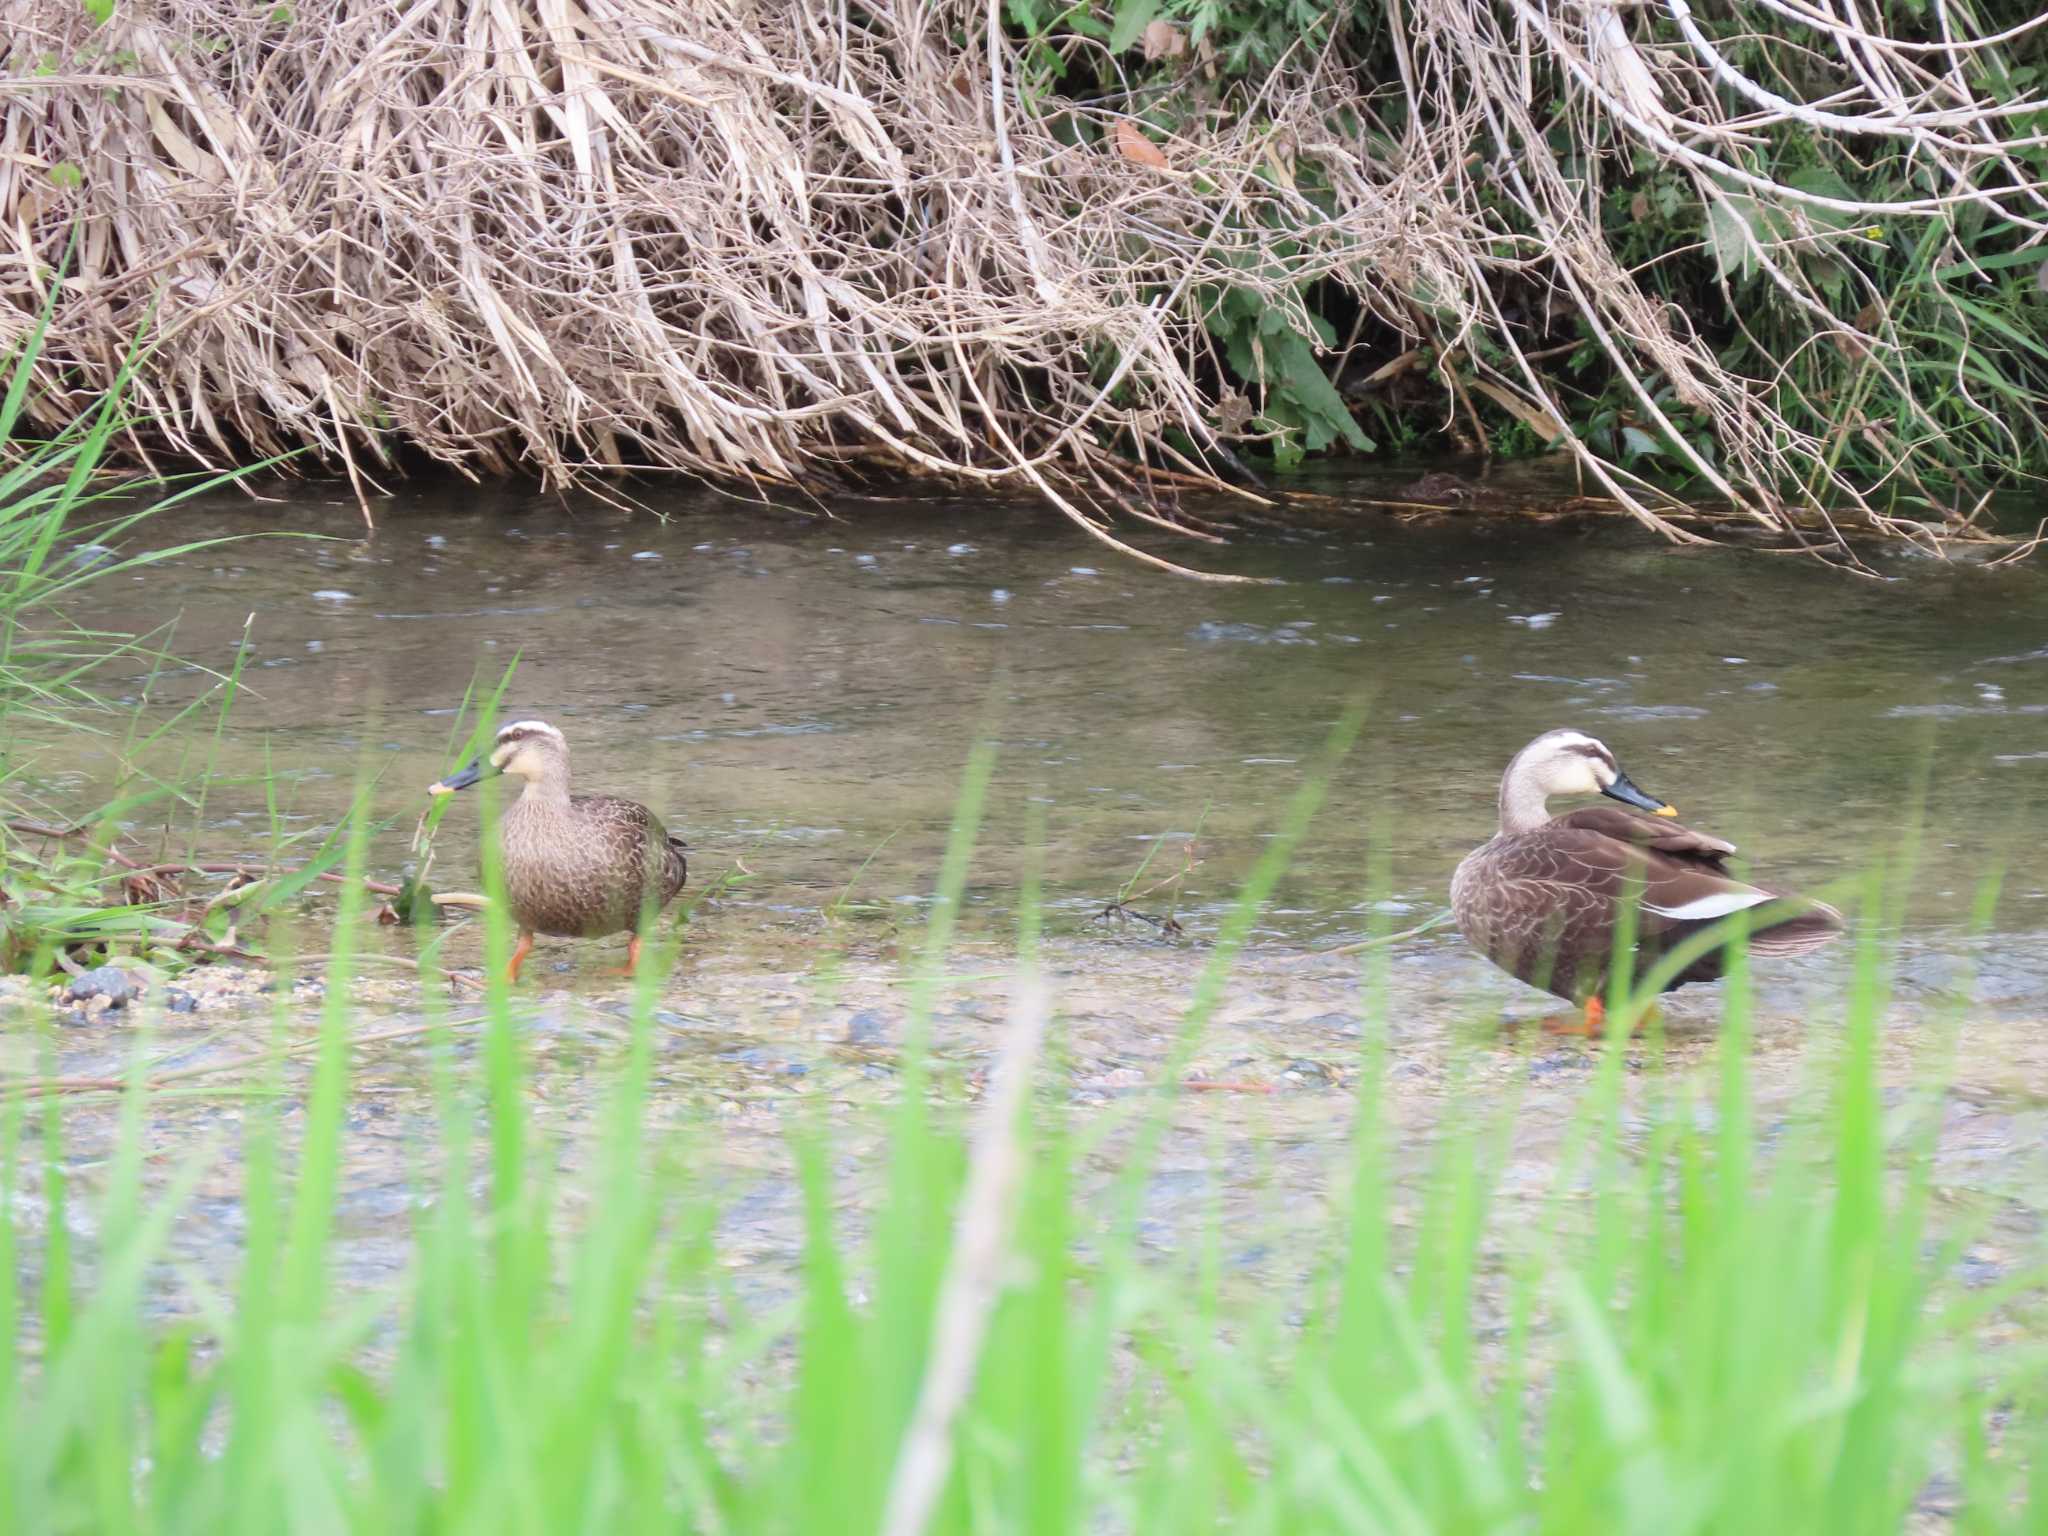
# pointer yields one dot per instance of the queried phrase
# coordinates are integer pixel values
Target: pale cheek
(1576, 779)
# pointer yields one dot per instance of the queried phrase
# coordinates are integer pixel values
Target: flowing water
(801, 690)
(796, 691)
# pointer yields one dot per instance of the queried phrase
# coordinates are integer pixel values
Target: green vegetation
(1708, 1325)
(1888, 342)
(66, 511)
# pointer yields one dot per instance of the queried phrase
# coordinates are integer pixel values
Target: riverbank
(1097, 256)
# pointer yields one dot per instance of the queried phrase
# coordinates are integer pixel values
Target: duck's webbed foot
(1592, 1023)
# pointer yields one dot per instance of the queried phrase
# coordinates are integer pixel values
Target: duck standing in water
(1543, 897)
(576, 866)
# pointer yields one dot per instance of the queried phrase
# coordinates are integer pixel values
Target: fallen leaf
(148, 888)
(1163, 40)
(1394, 366)
(1232, 412)
(1538, 419)
(1132, 144)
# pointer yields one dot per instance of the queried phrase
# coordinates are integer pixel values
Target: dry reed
(761, 242)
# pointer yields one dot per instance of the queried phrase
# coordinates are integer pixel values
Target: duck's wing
(1659, 833)
(1685, 884)
(1572, 879)
(633, 836)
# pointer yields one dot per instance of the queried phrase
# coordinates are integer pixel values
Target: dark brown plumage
(1543, 897)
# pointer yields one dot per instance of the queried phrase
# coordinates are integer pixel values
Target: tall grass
(1704, 1327)
(63, 506)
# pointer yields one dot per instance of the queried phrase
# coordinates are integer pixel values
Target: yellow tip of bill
(1662, 810)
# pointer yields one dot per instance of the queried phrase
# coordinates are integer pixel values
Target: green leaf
(1728, 233)
(1635, 442)
(1819, 181)
(414, 900)
(1287, 450)
(1997, 263)
(1132, 18)
(1312, 390)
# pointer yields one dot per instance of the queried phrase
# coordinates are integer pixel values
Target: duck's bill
(1624, 791)
(458, 780)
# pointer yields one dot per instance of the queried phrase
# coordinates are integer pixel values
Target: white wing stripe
(1720, 904)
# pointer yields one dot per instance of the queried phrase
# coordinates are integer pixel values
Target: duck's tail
(1805, 926)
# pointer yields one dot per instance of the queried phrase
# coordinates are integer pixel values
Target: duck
(1541, 899)
(575, 866)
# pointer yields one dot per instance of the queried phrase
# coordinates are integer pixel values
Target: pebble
(180, 1001)
(111, 986)
(870, 1026)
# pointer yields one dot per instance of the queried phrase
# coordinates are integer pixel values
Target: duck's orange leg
(632, 956)
(519, 953)
(1593, 1024)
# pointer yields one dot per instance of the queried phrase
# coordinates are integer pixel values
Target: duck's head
(1566, 763)
(531, 750)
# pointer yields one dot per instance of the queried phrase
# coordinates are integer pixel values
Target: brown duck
(1542, 898)
(576, 866)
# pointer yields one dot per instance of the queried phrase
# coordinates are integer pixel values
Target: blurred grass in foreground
(1688, 1335)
